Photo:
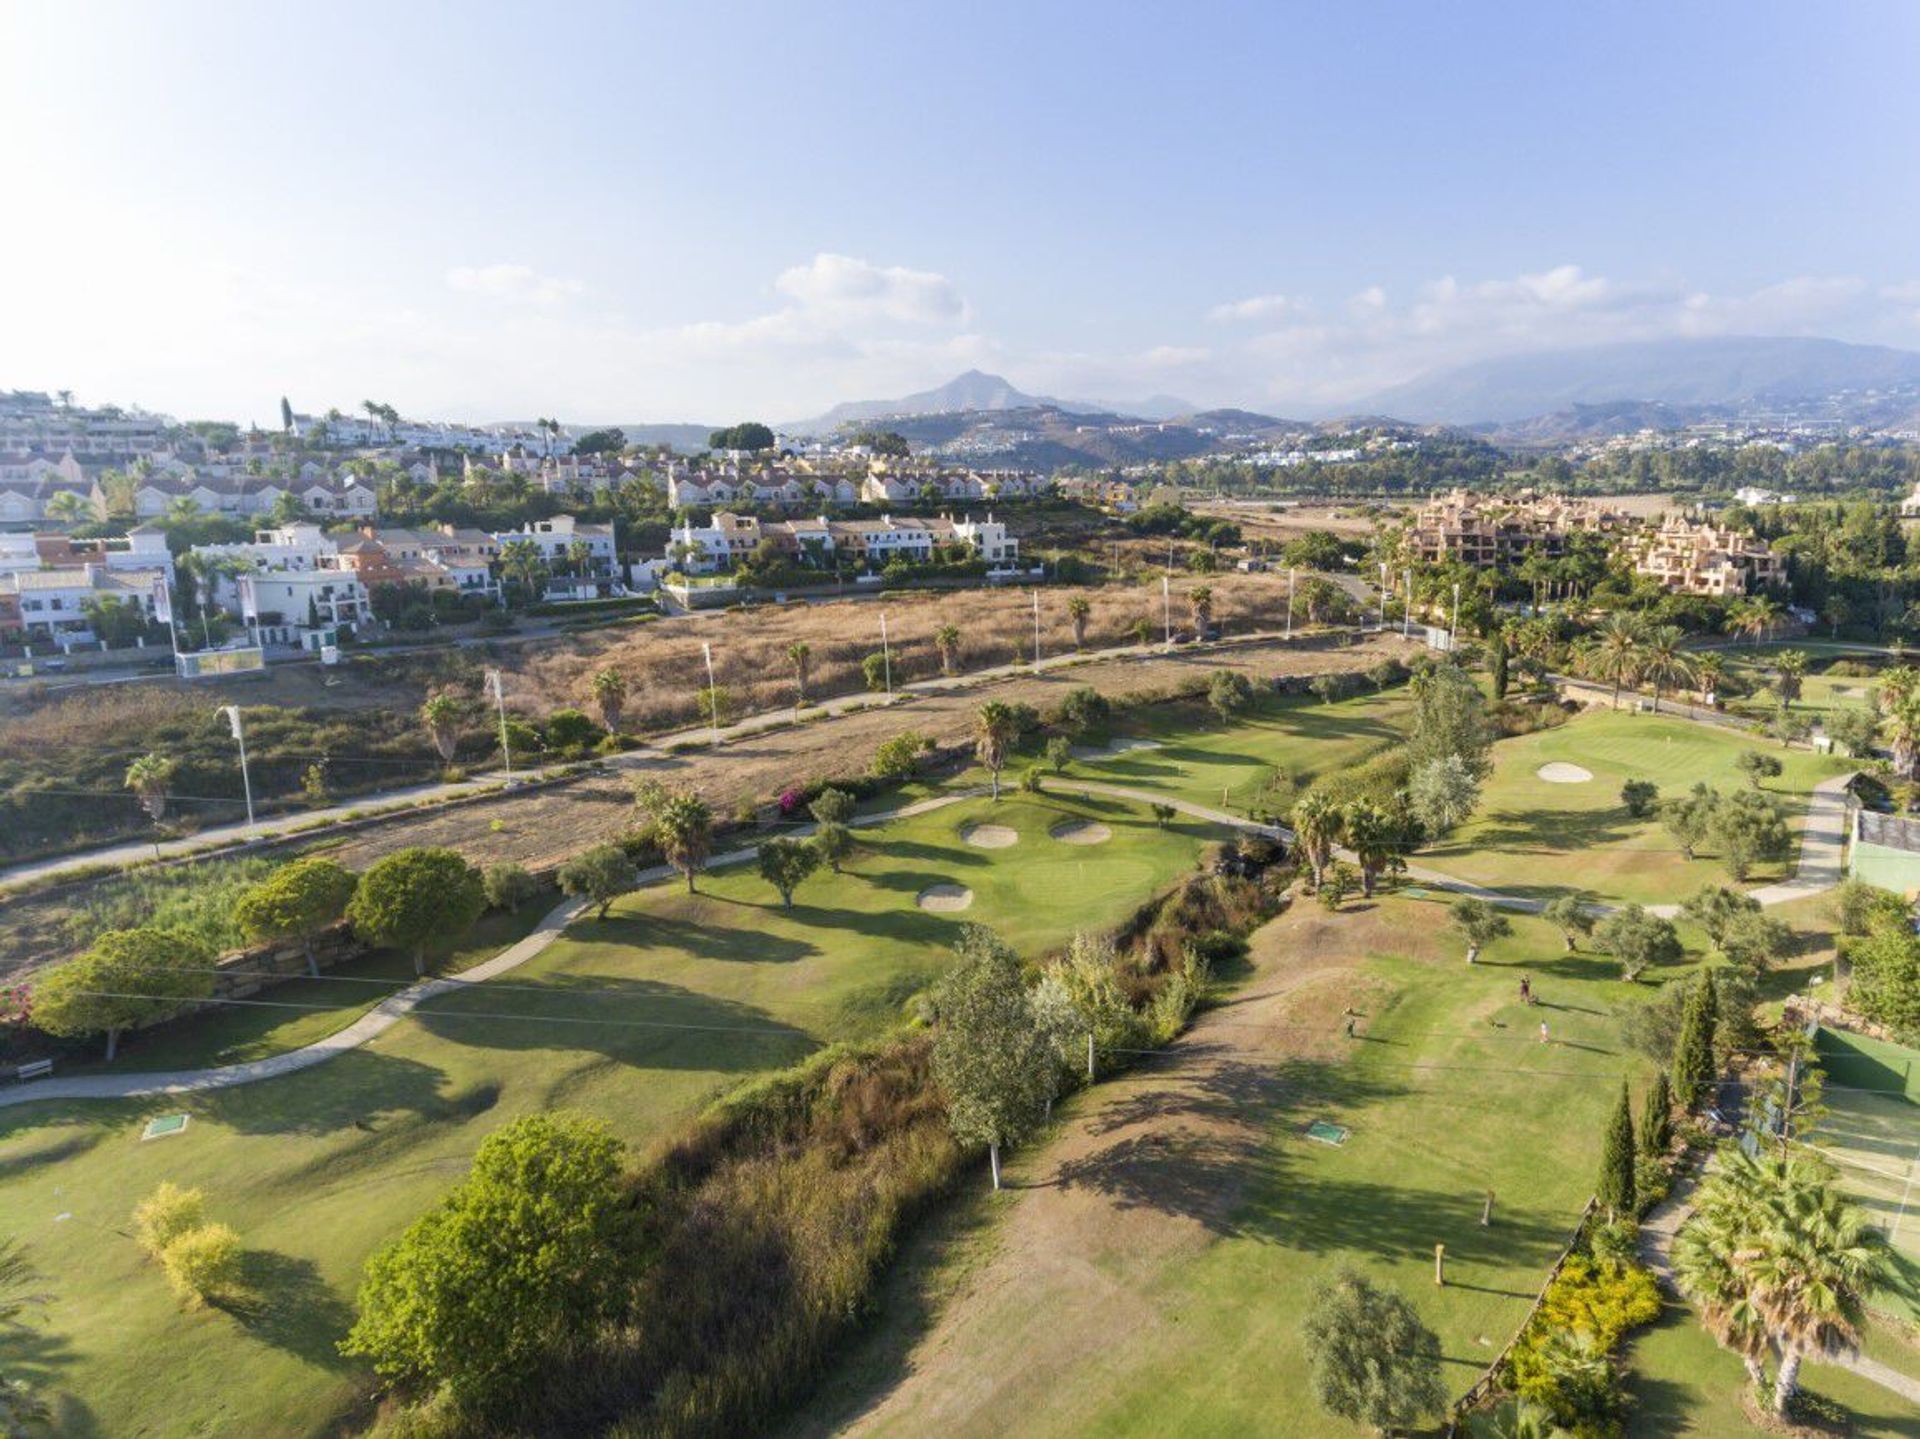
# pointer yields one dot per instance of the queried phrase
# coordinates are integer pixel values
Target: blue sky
(717, 210)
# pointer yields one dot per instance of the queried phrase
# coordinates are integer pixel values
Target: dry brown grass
(665, 670)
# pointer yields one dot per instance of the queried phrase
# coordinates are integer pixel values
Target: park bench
(37, 1069)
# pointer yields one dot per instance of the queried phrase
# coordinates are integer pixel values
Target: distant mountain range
(978, 392)
(1677, 381)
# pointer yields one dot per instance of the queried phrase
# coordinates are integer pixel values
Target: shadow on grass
(330, 1097)
(732, 944)
(639, 1022)
(289, 1306)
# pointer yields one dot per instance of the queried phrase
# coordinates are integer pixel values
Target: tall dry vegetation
(665, 669)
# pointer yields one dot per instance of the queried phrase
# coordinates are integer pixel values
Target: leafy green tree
(1689, 818)
(508, 886)
(129, 977)
(1079, 607)
(1572, 915)
(296, 901)
(1443, 794)
(874, 669)
(833, 843)
(989, 1057)
(1747, 829)
(748, 435)
(1715, 907)
(1756, 766)
(1637, 939)
(532, 1252)
(1656, 1118)
(1757, 941)
(682, 823)
(1641, 797)
(1449, 718)
(1162, 814)
(832, 806)
(1316, 829)
(1886, 977)
(609, 688)
(599, 876)
(785, 863)
(1059, 753)
(1500, 679)
(415, 897)
(151, 779)
(1372, 1360)
(1228, 693)
(1084, 709)
(995, 728)
(1615, 1187)
(898, 757)
(1693, 1063)
(1479, 923)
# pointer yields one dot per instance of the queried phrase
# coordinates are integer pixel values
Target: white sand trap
(1560, 772)
(991, 836)
(1128, 746)
(945, 898)
(1081, 831)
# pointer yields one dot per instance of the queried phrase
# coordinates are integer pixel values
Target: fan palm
(994, 730)
(1078, 608)
(946, 640)
(150, 777)
(610, 696)
(1370, 835)
(800, 654)
(1316, 827)
(1664, 662)
(1615, 652)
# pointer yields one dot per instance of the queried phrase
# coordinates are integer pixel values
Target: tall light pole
(1036, 629)
(232, 712)
(1383, 594)
(496, 687)
(713, 694)
(886, 656)
(1289, 601)
(1166, 604)
(1406, 603)
(1453, 633)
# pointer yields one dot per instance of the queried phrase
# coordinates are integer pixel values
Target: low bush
(166, 1214)
(1561, 1360)
(203, 1264)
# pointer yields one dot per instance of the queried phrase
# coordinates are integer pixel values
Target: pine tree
(1693, 1056)
(1615, 1188)
(1656, 1120)
(1500, 680)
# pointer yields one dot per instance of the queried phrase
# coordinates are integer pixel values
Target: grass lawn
(1820, 694)
(1683, 1384)
(317, 1169)
(1448, 1095)
(1267, 757)
(1527, 828)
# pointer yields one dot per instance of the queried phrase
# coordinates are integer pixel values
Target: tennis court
(1873, 1133)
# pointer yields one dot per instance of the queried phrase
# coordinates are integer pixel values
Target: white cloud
(1254, 307)
(519, 283)
(844, 289)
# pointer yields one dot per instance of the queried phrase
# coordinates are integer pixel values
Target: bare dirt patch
(990, 836)
(944, 898)
(1081, 832)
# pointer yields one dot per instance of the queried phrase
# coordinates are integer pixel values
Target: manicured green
(1872, 1131)
(1534, 837)
(639, 1019)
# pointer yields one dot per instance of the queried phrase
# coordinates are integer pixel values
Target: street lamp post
(713, 694)
(1289, 601)
(1383, 594)
(1036, 629)
(886, 656)
(496, 687)
(1406, 603)
(1453, 633)
(1166, 604)
(232, 712)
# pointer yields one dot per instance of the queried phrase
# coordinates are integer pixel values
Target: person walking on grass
(1526, 990)
(1544, 1037)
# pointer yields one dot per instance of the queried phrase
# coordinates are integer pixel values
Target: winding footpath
(1819, 869)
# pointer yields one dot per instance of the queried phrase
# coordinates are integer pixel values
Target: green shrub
(203, 1264)
(1560, 1356)
(166, 1214)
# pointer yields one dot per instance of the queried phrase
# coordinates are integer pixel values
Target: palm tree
(1316, 828)
(1614, 652)
(150, 777)
(1664, 662)
(994, 731)
(1200, 599)
(1369, 834)
(801, 655)
(1897, 684)
(1078, 608)
(946, 640)
(21, 1411)
(1903, 733)
(1708, 669)
(183, 510)
(1790, 668)
(521, 561)
(68, 508)
(683, 825)
(441, 715)
(579, 557)
(610, 695)
(1753, 617)
(1774, 1247)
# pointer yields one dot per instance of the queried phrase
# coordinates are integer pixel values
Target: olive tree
(599, 876)
(129, 977)
(1372, 1360)
(296, 901)
(990, 1058)
(413, 897)
(785, 863)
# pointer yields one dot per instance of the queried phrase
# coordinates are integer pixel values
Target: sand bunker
(1081, 831)
(990, 836)
(945, 898)
(1560, 772)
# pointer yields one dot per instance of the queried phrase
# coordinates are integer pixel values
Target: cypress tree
(1615, 1188)
(1500, 678)
(1656, 1120)
(1693, 1055)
